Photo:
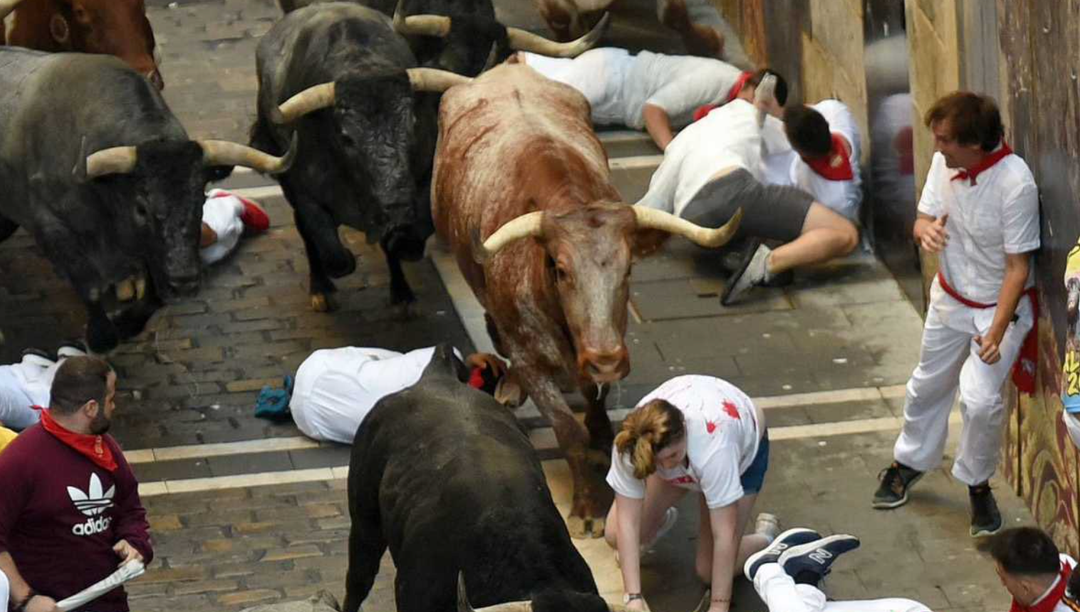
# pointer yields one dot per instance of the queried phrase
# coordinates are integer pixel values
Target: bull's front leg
(592, 496)
(327, 257)
(101, 335)
(601, 436)
(699, 39)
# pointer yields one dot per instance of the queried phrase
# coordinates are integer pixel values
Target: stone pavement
(824, 356)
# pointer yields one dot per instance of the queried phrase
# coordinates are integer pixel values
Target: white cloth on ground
(221, 212)
(998, 215)
(619, 85)
(949, 361)
(780, 593)
(728, 137)
(723, 434)
(23, 385)
(335, 389)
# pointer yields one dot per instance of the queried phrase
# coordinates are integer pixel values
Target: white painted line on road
(819, 397)
(200, 451)
(636, 162)
(794, 432)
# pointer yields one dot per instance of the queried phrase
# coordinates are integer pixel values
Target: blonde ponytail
(646, 431)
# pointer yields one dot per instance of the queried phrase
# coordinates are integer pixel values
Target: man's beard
(100, 424)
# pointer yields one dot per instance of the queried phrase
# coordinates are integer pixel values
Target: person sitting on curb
(27, 383)
(693, 433)
(651, 91)
(336, 388)
(714, 167)
(70, 510)
(226, 217)
(787, 575)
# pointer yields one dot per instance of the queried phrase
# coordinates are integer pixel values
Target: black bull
(446, 477)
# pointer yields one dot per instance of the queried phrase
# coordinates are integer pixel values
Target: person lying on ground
(714, 167)
(336, 388)
(651, 91)
(70, 511)
(27, 383)
(699, 434)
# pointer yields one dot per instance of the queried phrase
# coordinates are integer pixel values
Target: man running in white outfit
(824, 160)
(714, 167)
(651, 91)
(335, 389)
(787, 574)
(979, 211)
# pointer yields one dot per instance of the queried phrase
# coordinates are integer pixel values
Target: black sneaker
(896, 480)
(985, 516)
(772, 552)
(809, 563)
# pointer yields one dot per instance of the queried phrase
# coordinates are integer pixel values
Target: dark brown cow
(111, 27)
(518, 163)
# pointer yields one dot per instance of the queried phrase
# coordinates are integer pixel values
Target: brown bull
(111, 27)
(518, 165)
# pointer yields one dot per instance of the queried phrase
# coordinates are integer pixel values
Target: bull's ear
(646, 242)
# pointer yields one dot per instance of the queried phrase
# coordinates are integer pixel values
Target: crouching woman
(693, 433)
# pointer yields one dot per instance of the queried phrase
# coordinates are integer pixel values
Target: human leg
(825, 235)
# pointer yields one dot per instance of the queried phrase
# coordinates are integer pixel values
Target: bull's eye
(561, 275)
(140, 212)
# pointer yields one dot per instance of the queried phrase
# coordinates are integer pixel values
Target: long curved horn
(6, 7)
(523, 40)
(418, 25)
(652, 218)
(114, 160)
(432, 79)
(520, 227)
(463, 604)
(310, 100)
(225, 153)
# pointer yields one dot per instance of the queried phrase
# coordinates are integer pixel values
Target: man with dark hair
(70, 509)
(825, 159)
(714, 167)
(979, 211)
(1032, 570)
(652, 91)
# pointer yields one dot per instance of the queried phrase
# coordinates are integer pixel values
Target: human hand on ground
(486, 361)
(934, 236)
(126, 552)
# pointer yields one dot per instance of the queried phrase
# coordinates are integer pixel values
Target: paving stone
(333, 456)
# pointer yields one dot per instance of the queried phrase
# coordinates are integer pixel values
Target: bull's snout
(404, 243)
(604, 366)
(183, 286)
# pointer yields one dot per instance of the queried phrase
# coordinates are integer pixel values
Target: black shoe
(809, 563)
(780, 280)
(772, 552)
(985, 516)
(896, 480)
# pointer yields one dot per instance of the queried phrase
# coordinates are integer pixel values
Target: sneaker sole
(752, 560)
(729, 287)
(985, 533)
(887, 505)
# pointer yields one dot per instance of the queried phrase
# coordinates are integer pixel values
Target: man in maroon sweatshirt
(70, 512)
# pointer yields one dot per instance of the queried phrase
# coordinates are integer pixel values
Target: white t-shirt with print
(727, 137)
(723, 435)
(335, 389)
(843, 197)
(998, 215)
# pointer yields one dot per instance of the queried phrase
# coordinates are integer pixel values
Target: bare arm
(658, 124)
(930, 233)
(629, 541)
(725, 549)
(1012, 288)
(20, 590)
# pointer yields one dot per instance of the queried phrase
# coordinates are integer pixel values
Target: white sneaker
(767, 525)
(754, 273)
(670, 516)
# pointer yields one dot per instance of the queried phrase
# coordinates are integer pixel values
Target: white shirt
(843, 197)
(999, 215)
(727, 137)
(1061, 605)
(723, 435)
(679, 84)
(24, 385)
(336, 388)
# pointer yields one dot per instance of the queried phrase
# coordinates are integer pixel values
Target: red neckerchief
(733, 93)
(90, 446)
(476, 378)
(836, 166)
(1052, 598)
(1023, 371)
(986, 163)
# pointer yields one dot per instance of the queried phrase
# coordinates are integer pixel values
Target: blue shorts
(754, 476)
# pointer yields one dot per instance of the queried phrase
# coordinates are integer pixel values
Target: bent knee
(849, 237)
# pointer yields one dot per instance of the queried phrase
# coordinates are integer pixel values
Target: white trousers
(23, 385)
(222, 214)
(781, 594)
(598, 74)
(949, 362)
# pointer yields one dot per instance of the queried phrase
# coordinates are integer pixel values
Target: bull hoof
(583, 528)
(323, 302)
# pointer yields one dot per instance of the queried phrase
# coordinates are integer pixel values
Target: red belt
(1023, 371)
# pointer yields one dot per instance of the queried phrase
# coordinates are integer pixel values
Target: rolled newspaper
(132, 569)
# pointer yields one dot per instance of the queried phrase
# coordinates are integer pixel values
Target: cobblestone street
(245, 512)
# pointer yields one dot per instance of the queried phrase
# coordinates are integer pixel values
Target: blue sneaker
(772, 552)
(809, 563)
